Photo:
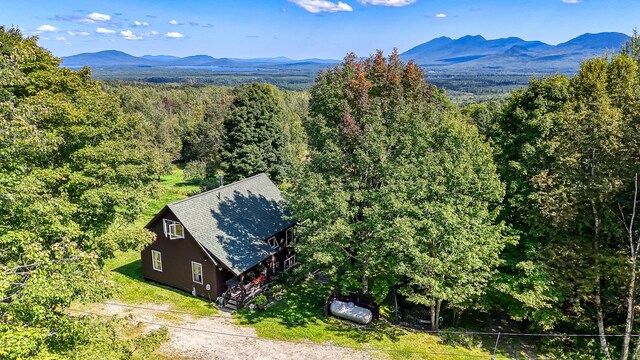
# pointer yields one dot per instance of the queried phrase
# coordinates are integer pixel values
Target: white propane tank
(351, 312)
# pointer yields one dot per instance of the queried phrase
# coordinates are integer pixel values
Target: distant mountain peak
(472, 37)
(474, 51)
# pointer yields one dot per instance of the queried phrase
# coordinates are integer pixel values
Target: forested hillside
(523, 212)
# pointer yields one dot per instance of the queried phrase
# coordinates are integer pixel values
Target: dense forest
(524, 209)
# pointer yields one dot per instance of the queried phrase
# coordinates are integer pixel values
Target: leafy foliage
(396, 185)
(568, 151)
(74, 180)
(255, 139)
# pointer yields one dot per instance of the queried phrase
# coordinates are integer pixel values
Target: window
(156, 260)
(173, 229)
(289, 262)
(196, 272)
(273, 242)
(291, 236)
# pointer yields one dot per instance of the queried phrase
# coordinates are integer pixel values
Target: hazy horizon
(301, 29)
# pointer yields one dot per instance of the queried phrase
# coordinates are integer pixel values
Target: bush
(260, 301)
(195, 170)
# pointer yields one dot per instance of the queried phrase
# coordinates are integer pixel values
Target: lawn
(126, 270)
(299, 317)
(172, 187)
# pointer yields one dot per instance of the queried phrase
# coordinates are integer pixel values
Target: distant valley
(503, 63)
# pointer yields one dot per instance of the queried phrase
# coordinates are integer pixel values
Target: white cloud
(47, 28)
(387, 2)
(105, 31)
(129, 35)
(60, 38)
(140, 23)
(78, 33)
(441, 15)
(153, 33)
(174, 22)
(99, 17)
(316, 6)
(173, 35)
(571, 1)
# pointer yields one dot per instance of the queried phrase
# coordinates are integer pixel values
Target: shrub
(195, 170)
(260, 300)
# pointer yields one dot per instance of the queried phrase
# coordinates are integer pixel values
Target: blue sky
(301, 28)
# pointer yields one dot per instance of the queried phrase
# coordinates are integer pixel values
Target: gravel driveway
(217, 337)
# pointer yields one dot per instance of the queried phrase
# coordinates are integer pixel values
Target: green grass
(171, 188)
(126, 270)
(299, 317)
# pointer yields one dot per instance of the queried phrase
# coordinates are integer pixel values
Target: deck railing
(242, 296)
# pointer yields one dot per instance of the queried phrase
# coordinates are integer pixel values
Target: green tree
(73, 177)
(568, 152)
(524, 134)
(393, 174)
(584, 189)
(255, 138)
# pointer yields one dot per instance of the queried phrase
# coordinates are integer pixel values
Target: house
(225, 242)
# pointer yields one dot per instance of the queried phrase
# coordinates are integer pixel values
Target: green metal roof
(233, 222)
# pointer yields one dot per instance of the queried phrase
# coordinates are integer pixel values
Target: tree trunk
(434, 326)
(630, 312)
(438, 304)
(365, 284)
(598, 299)
(633, 252)
(395, 303)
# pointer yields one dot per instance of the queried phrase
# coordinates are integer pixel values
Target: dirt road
(217, 337)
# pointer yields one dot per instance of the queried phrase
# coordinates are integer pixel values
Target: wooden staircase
(232, 304)
(235, 298)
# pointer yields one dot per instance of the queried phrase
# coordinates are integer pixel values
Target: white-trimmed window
(291, 236)
(156, 260)
(273, 242)
(173, 229)
(289, 262)
(196, 272)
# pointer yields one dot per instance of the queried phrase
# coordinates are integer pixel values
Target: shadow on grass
(133, 271)
(302, 308)
(187, 183)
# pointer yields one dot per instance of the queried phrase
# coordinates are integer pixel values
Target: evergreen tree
(255, 139)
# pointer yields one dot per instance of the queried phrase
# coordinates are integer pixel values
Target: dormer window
(173, 229)
(273, 242)
(291, 236)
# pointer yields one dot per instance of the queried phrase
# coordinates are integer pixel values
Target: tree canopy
(396, 186)
(73, 177)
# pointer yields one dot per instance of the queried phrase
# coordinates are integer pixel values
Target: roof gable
(233, 221)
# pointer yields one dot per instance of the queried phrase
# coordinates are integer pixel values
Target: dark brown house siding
(177, 256)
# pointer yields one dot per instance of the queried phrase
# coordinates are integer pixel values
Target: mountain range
(513, 53)
(468, 53)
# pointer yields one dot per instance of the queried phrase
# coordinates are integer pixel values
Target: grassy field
(299, 317)
(126, 270)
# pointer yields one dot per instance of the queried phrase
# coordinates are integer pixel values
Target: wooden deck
(240, 295)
